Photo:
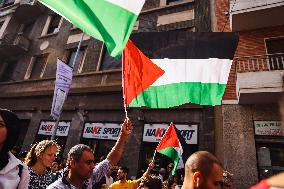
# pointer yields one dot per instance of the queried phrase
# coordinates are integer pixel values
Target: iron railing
(257, 63)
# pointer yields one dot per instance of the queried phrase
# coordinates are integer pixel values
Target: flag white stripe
(133, 6)
(212, 70)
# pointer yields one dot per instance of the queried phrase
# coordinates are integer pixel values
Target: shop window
(270, 159)
(275, 49)
(8, 3)
(79, 61)
(52, 25)
(23, 131)
(109, 63)
(38, 65)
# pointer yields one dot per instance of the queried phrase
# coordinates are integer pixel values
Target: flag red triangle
(170, 139)
(139, 72)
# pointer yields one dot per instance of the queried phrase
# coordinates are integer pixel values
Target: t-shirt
(129, 184)
(99, 171)
(264, 185)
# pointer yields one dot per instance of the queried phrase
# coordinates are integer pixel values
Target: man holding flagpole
(82, 172)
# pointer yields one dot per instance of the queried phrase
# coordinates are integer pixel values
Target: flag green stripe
(100, 19)
(175, 94)
(172, 154)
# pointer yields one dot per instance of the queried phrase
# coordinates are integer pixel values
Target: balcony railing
(260, 63)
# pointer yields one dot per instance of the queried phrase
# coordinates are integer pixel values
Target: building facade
(249, 140)
(33, 37)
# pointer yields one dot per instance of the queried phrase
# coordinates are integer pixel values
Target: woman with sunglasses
(39, 158)
(13, 173)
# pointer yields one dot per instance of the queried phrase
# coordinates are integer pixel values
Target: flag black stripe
(186, 45)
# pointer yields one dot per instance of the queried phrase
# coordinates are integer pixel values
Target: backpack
(20, 166)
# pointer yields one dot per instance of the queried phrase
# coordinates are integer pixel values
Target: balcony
(254, 14)
(259, 79)
(13, 45)
(28, 10)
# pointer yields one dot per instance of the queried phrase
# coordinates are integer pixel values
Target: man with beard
(82, 172)
(129, 184)
(203, 171)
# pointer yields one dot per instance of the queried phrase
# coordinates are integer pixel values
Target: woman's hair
(12, 123)
(152, 182)
(37, 150)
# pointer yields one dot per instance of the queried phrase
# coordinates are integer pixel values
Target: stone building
(247, 125)
(33, 37)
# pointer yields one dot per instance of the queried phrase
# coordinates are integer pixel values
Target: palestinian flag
(110, 21)
(172, 145)
(183, 68)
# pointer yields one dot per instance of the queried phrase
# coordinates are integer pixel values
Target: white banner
(155, 132)
(270, 128)
(62, 86)
(47, 127)
(109, 131)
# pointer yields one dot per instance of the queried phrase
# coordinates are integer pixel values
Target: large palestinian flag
(172, 145)
(182, 67)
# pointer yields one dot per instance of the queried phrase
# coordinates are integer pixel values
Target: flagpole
(123, 90)
(72, 66)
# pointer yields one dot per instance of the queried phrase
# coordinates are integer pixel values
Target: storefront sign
(270, 128)
(47, 127)
(155, 132)
(109, 131)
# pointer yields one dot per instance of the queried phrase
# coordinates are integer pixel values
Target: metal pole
(55, 129)
(72, 66)
(77, 52)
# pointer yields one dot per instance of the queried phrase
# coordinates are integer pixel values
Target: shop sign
(155, 132)
(269, 128)
(47, 127)
(108, 131)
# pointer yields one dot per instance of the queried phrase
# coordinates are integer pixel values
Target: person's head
(203, 171)
(151, 182)
(228, 180)
(162, 171)
(15, 150)
(80, 161)
(104, 186)
(22, 156)
(170, 167)
(43, 153)
(9, 134)
(122, 173)
(54, 167)
(171, 184)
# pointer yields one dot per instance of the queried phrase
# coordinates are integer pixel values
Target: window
(270, 159)
(8, 3)
(52, 25)
(9, 70)
(110, 63)
(170, 2)
(275, 49)
(79, 61)
(38, 66)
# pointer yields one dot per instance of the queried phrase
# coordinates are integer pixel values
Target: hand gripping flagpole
(123, 85)
(72, 66)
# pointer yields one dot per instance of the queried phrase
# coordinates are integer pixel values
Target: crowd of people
(37, 169)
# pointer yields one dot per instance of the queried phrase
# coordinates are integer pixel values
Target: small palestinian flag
(172, 145)
(182, 67)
